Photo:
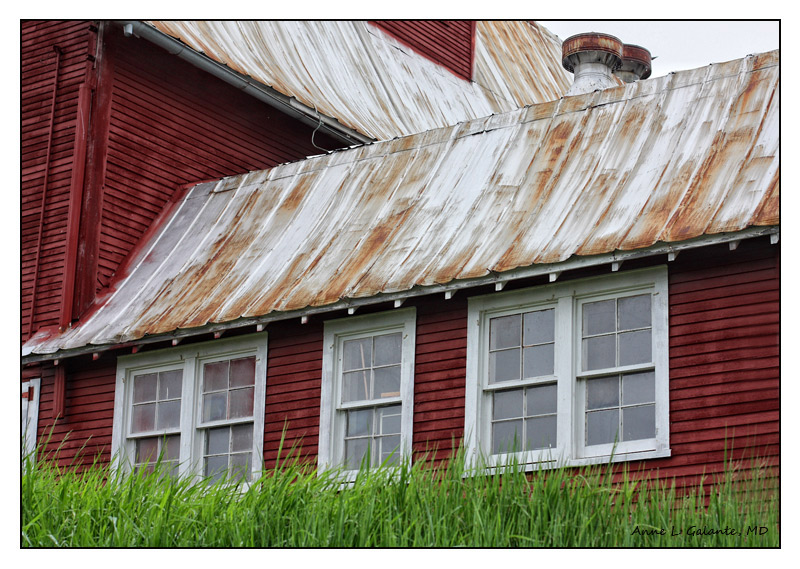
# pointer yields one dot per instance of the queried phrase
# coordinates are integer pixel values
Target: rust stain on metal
(667, 160)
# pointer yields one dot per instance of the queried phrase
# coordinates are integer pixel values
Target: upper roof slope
(665, 160)
(371, 82)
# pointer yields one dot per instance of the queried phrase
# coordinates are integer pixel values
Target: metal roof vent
(593, 58)
(635, 63)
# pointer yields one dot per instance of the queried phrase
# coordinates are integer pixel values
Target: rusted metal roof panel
(659, 161)
(371, 82)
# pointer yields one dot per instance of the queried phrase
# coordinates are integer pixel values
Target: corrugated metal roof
(664, 160)
(372, 83)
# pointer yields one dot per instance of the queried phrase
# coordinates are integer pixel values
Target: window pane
(602, 427)
(599, 317)
(540, 432)
(638, 388)
(242, 437)
(146, 450)
(243, 372)
(387, 382)
(357, 354)
(389, 419)
(506, 437)
(241, 403)
(215, 376)
(215, 406)
(169, 414)
(634, 312)
(218, 440)
(359, 423)
(542, 400)
(602, 392)
(635, 347)
(538, 361)
(599, 352)
(504, 332)
(388, 349)
(144, 418)
(354, 451)
(504, 366)
(216, 467)
(389, 447)
(539, 327)
(507, 404)
(144, 388)
(169, 384)
(355, 386)
(172, 447)
(639, 422)
(240, 466)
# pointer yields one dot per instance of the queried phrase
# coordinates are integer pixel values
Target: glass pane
(240, 466)
(639, 422)
(241, 403)
(389, 419)
(144, 418)
(602, 427)
(506, 437)
(638, 388)
(540, 432)
(242, 437)
(634, 312)
(635, 347)
(169, 414)
(215, 376)
(538, 360)
(602, 392)
(243, 372)
(505, 332)
(504, 366)
(387, 382)
(218, 440)
(144, 388)
(389, 447)
(599, 352)
(355, 386)
(354, 451)
(599, 317)
(146, 450)
(357, 354)
(216, 467)
(542, 400)
(169, 384)
(388, 349)
(507, 404)
(359, 423)
(539, 327)
(215, 406)
(172, 447)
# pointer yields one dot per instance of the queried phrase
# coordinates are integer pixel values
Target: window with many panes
(197, 409)
(367, 390)
(570, 372)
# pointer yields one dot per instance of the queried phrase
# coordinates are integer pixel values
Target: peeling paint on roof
(665, 160)
(372, 83)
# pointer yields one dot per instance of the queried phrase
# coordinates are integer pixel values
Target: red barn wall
(450, 43)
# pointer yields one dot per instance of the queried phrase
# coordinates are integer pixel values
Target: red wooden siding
(450, 43)
(38, 59)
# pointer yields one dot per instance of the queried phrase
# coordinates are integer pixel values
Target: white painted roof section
(370, 82)
(661, 161)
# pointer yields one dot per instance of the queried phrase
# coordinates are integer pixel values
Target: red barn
(383, 237)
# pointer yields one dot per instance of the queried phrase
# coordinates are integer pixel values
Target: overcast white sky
(681, 44)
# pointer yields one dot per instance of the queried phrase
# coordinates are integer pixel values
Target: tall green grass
(411, 506)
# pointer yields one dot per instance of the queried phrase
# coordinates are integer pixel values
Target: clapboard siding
(446, 42)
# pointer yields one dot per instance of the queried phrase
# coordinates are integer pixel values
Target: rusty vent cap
(591, 41)
(636, 59)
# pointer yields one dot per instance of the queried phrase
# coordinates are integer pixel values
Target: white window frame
(332, 411)
(30, 415)
(566, 298)
(190, 359)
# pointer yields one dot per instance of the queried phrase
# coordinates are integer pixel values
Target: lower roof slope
(664, 160)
